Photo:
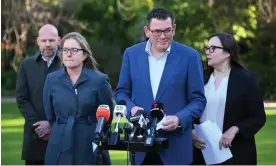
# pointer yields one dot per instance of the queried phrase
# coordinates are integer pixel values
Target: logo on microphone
(142, 122)
(158, 106)
(103, 106)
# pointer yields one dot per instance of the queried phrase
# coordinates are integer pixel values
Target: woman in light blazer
(234, 102)
(71, 98)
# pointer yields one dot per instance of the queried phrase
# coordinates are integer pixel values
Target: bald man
(29, 91)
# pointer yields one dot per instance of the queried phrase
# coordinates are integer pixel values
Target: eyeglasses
(158, 32)
(212, 49)
(72, 51)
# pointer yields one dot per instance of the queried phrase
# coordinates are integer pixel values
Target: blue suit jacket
(181, 90)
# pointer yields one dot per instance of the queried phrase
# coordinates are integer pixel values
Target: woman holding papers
(234, 102)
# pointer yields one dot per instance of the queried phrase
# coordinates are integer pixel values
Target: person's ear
(174, 29)
(147, 31)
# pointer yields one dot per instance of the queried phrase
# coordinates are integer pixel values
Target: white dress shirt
(50, 61)
(216, 99)
(156, 67)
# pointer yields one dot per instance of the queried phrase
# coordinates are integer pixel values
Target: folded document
(210, 133)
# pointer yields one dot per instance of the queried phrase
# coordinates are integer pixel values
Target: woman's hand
(228, 136)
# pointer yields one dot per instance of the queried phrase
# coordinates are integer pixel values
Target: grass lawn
(12, 133)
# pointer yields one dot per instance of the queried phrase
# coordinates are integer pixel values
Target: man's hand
(197, 142)
(171, 123)
(42, 128)
(135, 109)
(46, 137)
(228, 136)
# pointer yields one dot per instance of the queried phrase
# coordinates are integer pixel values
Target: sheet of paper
(94, 146)
(159, 125)
(210, 133)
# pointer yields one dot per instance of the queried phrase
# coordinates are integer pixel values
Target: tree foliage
(112, 25)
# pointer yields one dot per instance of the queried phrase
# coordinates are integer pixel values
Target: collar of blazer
(38, 55)
(61, 73)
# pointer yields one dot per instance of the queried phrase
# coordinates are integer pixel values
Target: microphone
(103, 115)
(128, 130)
(139, 122)
(119, 112)
(157, 114)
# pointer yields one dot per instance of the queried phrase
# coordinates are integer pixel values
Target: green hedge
(266, 76)
(8, 82)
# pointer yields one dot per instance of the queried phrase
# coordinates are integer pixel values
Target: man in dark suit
(163, 70)
(29, 91)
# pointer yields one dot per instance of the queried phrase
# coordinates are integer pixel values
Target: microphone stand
(134, 139)
(99, 157)
(127, 132)
(115, 136)
(151, 137)
(136, 145)
(132, 154)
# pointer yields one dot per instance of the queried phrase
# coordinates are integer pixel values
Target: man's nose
(48, 43)
(162, 35)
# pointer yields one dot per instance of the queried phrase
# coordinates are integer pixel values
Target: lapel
(82, 78)
(143, 66)
(229, 96)
(170, 66)
(37, 55)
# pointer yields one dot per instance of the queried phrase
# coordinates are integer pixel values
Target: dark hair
(160, 14)
(230, 45)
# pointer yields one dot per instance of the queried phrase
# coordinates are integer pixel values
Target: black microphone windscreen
(137, 116)
(157, 111)
(158, 105)
(140, 112)
(121, 102)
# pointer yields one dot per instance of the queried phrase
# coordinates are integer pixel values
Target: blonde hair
(90, 61)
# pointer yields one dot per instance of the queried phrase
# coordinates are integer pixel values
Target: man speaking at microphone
(163, 70)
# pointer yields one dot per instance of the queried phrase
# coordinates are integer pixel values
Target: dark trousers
(34, 162)
(198, 157)
(152, 158)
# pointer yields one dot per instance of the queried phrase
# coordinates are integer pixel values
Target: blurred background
(110, 26)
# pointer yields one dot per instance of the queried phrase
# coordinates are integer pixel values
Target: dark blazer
(29, 88)
(71, 110)
(245, 109)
